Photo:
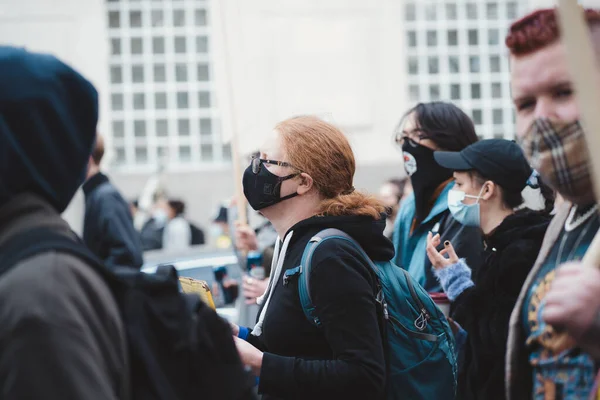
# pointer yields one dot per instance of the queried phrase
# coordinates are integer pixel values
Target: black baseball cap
(499, 160)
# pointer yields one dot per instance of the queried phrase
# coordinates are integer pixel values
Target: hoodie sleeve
(342, 292)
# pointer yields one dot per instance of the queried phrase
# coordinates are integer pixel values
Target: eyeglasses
(413, 137)
(258, 162)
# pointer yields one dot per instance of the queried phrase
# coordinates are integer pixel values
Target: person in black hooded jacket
(489, 178)
(302, 183)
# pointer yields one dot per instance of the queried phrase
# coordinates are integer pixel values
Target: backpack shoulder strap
(42, 240)
(304, 270)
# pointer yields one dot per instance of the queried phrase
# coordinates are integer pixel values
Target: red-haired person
(553, 344)
(302, 183)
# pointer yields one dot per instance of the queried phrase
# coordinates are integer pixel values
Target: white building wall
(72, 30)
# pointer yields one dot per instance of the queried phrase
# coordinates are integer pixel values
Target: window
(493, 37)
(137, 46)
(158, 45)
(115, 46)
(116, 74)
(433, 65)
(205, 126)
(453, 37)
(118, 129)
(201, 44)
(477, 117)
(454, 64)
(200, 17)
(434, 92)
(141, 155)
(120, 155)
(451, 11)
(162, 127)
(116, 100)
(183, 127)
(206, 152)
(137, 74)
(495, 64)
(496, 90)
(139, 101)
(511, 10)
(160, 73)
(473, 37)
(114, 19)
(185, 154)
(471, 11)
(411, 38)
(474, 64)
(498, 117)
(492, 10)
(182, 100)
(139, 128)
(158, 18)
(135, 19)
(160, 101)
(455, 91)
(178, 18)
(204, 99)
(413, 65)
(413, 92)
(475, 91)
(180, 46)
(431, 38)
(203, 72)
(431, 12)
(410, 12)
(227, 151)
(181, 73)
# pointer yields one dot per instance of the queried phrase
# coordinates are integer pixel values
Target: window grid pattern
(163, 108)
(456, 53)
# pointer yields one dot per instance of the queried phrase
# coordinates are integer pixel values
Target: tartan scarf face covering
(558, 151)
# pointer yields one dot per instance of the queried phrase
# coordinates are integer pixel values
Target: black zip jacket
(344, 357)
(484, 310)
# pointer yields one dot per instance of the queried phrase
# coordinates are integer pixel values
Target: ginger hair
(321, 150)
(540, 29)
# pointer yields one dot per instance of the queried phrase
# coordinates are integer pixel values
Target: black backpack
(179, 348)
(197, 235)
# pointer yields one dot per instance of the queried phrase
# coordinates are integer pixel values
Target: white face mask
(216, 231)
(160, 216)
(466, 214)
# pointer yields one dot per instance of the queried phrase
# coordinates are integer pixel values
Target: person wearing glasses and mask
(489, 178)
(424, 129)
(302, 183)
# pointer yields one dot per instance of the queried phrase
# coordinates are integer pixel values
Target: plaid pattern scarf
(558, 151)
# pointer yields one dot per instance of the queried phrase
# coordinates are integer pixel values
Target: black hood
(48, 117)
(364, 229)
(524, 224)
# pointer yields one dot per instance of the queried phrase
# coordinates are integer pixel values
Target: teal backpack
(418, 341)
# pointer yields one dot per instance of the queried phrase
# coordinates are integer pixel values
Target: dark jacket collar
(92, 183)
(524, 224)
(29, 211)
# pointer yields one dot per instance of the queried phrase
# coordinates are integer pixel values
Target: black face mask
(425, 174)
(264, 189)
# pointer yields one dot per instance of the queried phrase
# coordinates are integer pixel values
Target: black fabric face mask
(425, 175)
(264, 188)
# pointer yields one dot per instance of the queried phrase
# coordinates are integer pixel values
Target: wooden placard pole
(235, 144)
(584, 72)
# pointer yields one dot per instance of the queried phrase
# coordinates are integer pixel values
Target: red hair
(539, 29)
(321, 150)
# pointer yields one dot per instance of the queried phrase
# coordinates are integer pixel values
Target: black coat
(484, 310)
(108, 226)
(342, 359)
